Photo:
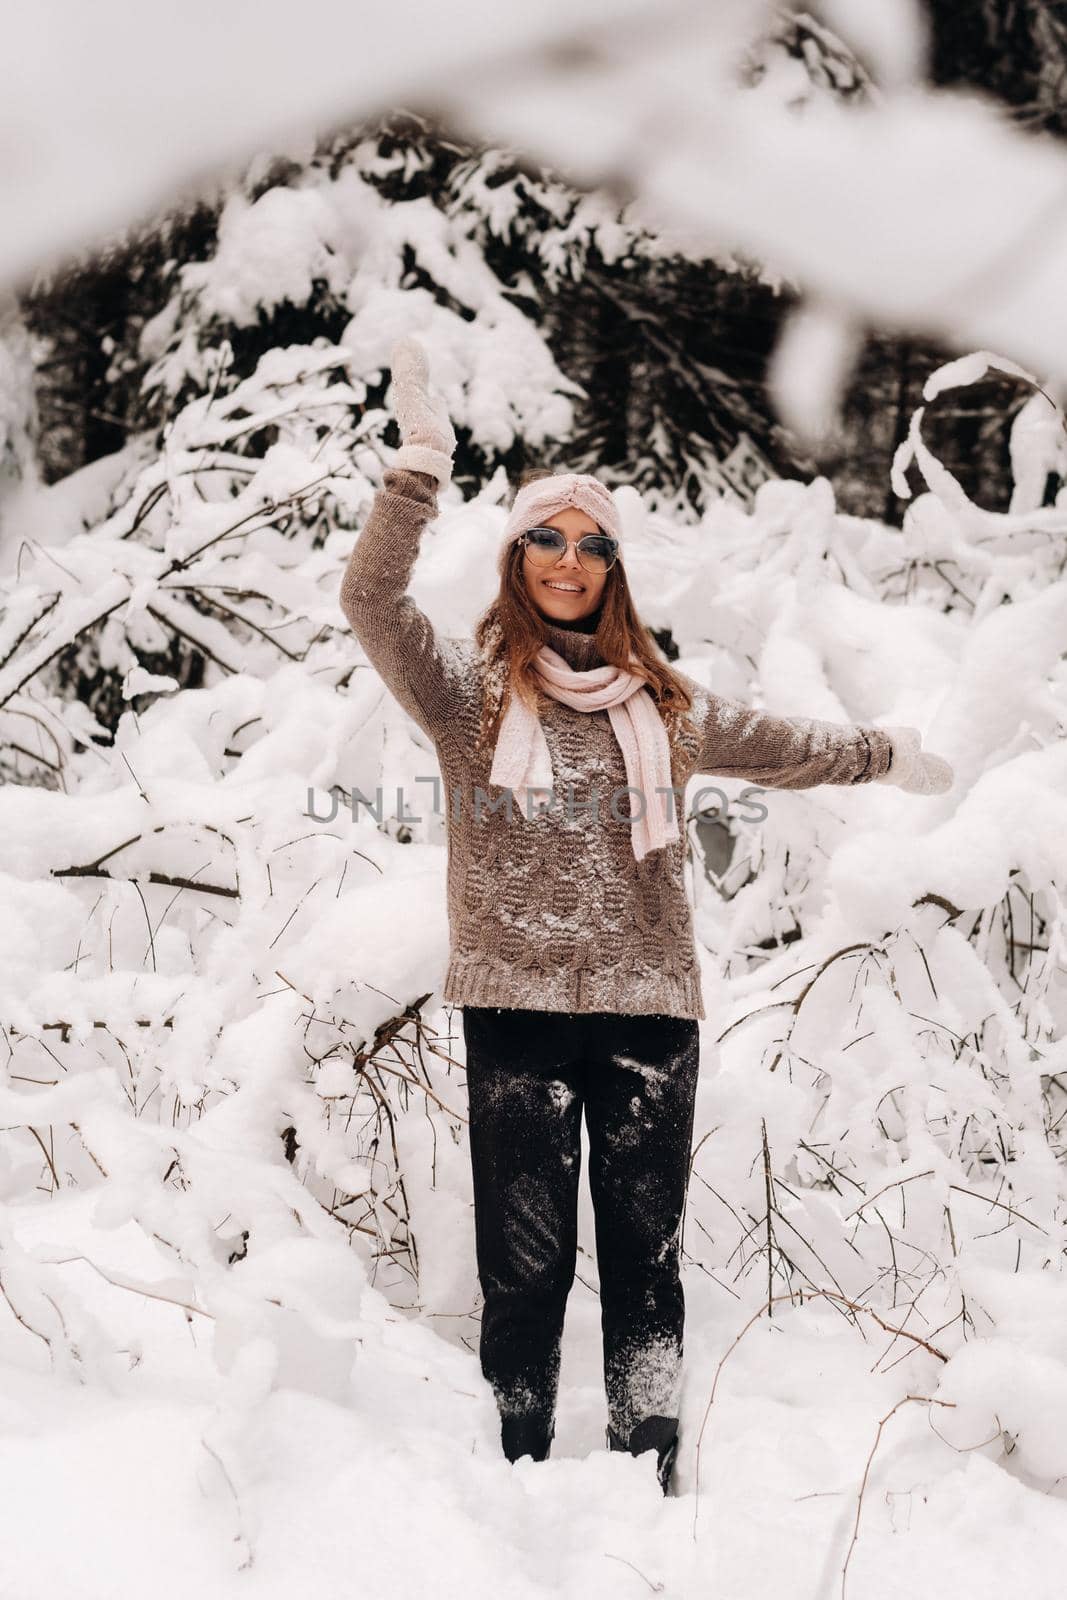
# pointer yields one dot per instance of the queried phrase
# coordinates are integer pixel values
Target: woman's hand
(428, 440)
(913, 768)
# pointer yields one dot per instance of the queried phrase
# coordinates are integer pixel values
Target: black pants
(529, 1076)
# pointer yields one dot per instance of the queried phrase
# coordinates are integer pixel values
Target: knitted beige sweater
(552, 912)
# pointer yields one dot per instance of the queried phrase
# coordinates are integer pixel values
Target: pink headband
(545, 496)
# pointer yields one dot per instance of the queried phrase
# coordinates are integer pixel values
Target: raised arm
(421, 670)
(418, 667)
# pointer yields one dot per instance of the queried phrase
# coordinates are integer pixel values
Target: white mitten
(913, 768)
(428, 439)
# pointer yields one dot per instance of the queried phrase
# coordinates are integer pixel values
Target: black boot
(653, 1433)
(526, 1436)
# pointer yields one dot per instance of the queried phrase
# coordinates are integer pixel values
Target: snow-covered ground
(364, 1461)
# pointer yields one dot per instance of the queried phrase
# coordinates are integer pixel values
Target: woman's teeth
(567, 588)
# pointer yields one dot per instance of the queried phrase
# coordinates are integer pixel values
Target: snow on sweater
(551, 912)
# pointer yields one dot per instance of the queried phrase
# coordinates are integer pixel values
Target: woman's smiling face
(565, 592)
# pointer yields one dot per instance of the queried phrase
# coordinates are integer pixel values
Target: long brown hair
(512, 630)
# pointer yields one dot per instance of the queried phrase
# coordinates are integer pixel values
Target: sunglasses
(596, 552)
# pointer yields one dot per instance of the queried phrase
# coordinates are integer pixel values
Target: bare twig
(918, 1399)
(770, 1214)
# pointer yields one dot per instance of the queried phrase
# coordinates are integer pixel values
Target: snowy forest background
(239, 1314)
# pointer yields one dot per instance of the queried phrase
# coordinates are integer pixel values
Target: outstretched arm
(785, 752)
(420, 669)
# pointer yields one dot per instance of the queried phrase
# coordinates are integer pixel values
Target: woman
(565, 742)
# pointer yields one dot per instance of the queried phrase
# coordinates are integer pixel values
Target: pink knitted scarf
(521, 759)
